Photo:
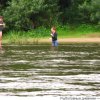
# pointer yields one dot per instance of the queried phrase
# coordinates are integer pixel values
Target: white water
(72, 70)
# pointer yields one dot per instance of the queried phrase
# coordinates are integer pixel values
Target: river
(39, 70)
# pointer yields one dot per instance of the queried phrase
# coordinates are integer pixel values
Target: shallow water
(39, 70)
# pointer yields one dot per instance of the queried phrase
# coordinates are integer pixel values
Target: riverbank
(66, 34)
(73, 40)
(48, 41)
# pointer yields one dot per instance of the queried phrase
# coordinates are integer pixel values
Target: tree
(70, 11)
(48, 15)
(21, 14)
(91, 11)
(95, 11)
(3, 3)
(17, 14)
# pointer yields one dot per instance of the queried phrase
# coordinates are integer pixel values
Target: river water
(39, 70)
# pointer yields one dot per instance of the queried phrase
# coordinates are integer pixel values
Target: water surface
(39, 70)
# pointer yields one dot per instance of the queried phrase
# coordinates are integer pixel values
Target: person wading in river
(54, 37)
(2, 25)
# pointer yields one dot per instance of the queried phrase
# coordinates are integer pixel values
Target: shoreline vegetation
(66, 34)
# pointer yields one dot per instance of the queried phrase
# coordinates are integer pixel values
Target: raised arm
(52, 35)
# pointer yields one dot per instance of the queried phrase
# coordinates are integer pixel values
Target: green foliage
(17, 14)
(26, 14)
(79, 30)
(95, 11)
(48, 16)
(70, 11)
(32, 36)
(22, 14)
(91, 11)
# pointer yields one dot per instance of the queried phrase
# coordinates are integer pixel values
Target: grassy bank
(68, 31)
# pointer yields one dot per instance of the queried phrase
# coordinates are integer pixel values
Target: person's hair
(54, 28)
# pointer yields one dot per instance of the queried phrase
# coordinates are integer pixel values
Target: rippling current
(39, 70)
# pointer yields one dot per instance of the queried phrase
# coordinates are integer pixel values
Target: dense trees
(23, 14)
(18, 13)
(91, 11)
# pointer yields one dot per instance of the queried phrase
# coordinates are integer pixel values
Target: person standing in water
(54, 37)
(2, 25)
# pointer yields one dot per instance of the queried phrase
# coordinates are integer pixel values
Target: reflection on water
(37, 70)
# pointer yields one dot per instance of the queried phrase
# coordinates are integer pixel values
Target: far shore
(73, 40)
(48, 41)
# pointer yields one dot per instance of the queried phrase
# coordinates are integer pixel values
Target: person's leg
(53, 43)
(0, 39)
(56, 43)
